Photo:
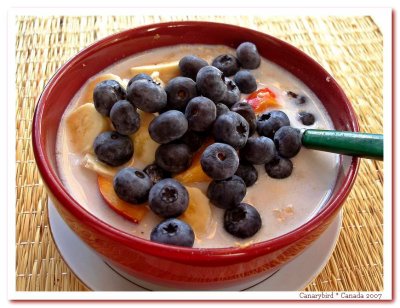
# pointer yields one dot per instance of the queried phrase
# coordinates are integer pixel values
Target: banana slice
(198, 214)
(84, 124)
(90, 162)
(145, 147)
(156, 77)
(87, 95)
(166, 71)
(124, 83)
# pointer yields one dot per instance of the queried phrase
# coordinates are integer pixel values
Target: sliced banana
(156, 77)
(87, 95)
(145, 147)
(124, 83)
(90, 162)
(166, 71)
(198, 214)
(84, 124)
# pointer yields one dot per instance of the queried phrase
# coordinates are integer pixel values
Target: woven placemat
(350, 48)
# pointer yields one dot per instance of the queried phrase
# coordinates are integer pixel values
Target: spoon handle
(347, 143)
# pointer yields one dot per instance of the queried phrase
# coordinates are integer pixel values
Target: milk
(283, 204)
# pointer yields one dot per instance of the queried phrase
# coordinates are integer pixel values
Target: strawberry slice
(262, 99)
(134, 213)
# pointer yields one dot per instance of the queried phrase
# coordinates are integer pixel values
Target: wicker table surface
(350, 48)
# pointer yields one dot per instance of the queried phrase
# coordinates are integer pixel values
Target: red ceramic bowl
(186, 268)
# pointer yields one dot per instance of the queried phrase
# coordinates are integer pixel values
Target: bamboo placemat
(350, 48)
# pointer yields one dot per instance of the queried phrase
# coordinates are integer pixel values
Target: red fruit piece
(195, 173)
(262, 99)
(134, 213)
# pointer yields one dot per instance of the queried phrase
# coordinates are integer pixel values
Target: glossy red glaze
(168, 265)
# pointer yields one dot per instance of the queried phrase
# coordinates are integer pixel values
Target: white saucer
(98, 275)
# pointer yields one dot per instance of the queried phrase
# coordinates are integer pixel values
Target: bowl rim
(176, 253)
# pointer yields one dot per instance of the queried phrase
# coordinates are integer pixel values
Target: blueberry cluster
(166, 196)
(282, 141)
(230, 161)
(200, 104)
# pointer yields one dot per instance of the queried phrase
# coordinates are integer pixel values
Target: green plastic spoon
(347, 143)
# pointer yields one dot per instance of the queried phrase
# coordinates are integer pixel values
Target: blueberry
(168, 126)
(210, 83)
(287, 141)
(124, 118)
(147, 95)
(247, 112)
(298, 99)
(106, 94)
(269, 123)
(138, 77)
(248, 56)
(194, 140)
(132, 185)
(306, 118)
(190, 66)
(242, 221)
(247, 172)
(232, 94)
(279, 167)
(228, 64)
(113, 148)
(173, 231)
(174, 158)
(231, 128)
(156, 173)
(221, 109)
(200, 113)
(245, 81)
(219, 161)
(226, 193)
(180, 90)
(258, 150)
(301, 100)
(168, 198)
(292, 94)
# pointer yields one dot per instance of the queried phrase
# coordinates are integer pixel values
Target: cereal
(284, 204)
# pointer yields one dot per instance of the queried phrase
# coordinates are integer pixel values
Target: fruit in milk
(84, 125)
(134, 214)
(167, 137)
